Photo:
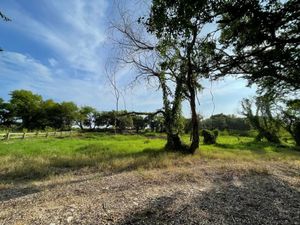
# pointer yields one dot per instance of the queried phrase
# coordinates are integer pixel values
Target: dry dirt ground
(202, 193)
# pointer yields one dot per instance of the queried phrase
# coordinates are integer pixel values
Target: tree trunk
(192, 90)
(173, 140)
(195, 125)
(296, 133)
(273, 138)
(80, 125)
(174, 143)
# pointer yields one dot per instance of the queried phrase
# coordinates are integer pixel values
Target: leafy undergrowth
(39, 158)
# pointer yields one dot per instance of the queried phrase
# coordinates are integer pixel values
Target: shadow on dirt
(19, 191)
(256, 199)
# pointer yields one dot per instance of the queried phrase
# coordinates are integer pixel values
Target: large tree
(47, 115)
(26, 107)
(139, 123)
(66, 115)
(260, 40)
(142, 50)
(176, 54)
(105, 119)
(30, 111)
(181, 28)
(86, 117)
(256, 39)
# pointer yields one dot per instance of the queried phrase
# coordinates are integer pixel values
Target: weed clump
(210, 137)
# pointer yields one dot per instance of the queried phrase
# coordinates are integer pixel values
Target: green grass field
(40, 158)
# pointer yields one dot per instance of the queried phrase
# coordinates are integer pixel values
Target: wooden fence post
(47, 134)
(24, 134)
(7, 136)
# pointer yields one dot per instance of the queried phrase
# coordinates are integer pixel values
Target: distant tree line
(225, 122)
(26, 110)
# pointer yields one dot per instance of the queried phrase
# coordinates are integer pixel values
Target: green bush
(241, 133)
(210, 137)
(216, 133)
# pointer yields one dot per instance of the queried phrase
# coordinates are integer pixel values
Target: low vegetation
(39, 158)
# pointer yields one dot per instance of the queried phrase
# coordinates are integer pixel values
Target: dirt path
(205, 193)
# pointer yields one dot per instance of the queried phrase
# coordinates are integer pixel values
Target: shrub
(216, 133)
(209, 137)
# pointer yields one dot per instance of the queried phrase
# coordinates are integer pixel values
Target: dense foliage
(225, 122)
(209, 137)
(260, 40)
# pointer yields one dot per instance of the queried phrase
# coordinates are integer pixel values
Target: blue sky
(59, 49)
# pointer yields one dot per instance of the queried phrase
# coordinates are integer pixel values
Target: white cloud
(74, 29)
(52, 62)
(16, 65)
(18, 71)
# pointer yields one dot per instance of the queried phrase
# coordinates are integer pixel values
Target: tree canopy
(260, 40)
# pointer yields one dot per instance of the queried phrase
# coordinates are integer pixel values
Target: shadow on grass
(104, 160)
(260, 147)
(259, 199)
(109, 160)
(101, 158)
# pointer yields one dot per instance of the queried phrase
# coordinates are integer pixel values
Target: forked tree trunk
(262, 132)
